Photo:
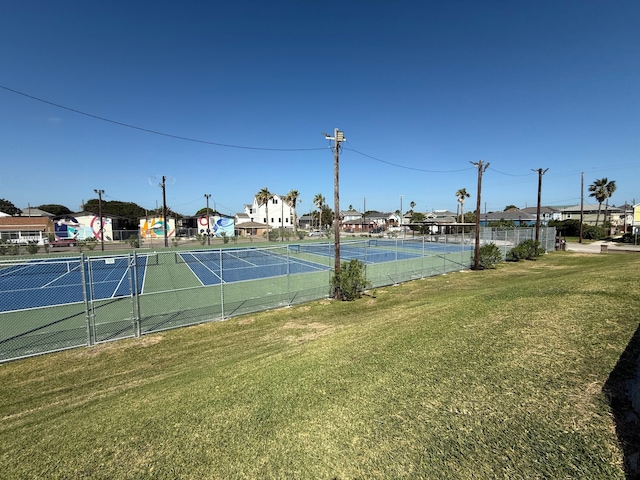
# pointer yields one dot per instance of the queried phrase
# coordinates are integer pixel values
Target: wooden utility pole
(164, 211)
(581, 205)
(100, 192)
(476, 255)
(208, 196)
(540, 173)
(338, 137)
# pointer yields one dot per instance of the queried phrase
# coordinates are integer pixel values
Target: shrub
(527, 250)
(9, 248)
(489, 255)
(33, 247)
(225, 238)
(591, 232)
(351, 281)
(90, 242)
(628, 238)
(134, 241)
(201, 238)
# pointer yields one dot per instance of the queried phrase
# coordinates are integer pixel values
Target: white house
(280, 213)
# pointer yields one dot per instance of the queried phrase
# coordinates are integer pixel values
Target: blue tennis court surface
(235, 265)
(43, 283)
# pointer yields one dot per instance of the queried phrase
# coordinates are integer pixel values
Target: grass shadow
(622, 390)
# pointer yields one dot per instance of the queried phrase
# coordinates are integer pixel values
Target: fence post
(289, 298)
(221, 287)
(134, 290)
(85, 295)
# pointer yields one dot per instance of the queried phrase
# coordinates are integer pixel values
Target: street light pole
(208, 196)
(100, 192)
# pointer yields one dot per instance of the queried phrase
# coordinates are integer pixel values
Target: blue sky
(239, 94)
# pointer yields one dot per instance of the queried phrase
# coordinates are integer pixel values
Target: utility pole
(540, 173)
(338, 138)
(401, 211)
(164, 210)
(581, 205)
(481, 169)
(100, 192)
(208, 196)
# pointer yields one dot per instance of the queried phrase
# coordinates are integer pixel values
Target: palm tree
(610, 187)
(462, 195)
(318, 201)
(412, 205)
(263, 197)
(292, 199)
(599, 191)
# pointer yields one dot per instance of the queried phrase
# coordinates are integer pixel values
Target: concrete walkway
(602, 246)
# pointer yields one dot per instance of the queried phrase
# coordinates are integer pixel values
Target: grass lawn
(490, 374)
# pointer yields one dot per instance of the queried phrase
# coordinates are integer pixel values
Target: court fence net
(54, 303)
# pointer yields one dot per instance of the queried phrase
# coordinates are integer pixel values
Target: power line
(155, 132)
(404, 166)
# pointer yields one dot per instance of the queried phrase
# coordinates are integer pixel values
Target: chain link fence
(51, 304)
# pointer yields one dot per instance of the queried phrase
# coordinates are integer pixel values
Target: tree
(129, 210)
(263, 197)
(600, 192)
(55, 209)
(462, 195)
(318, 201)
(7, 207)
(412, 205)
(292, 199)
(327, 215)
(509, 207)
(610, 187)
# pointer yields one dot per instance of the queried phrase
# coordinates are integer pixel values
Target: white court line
(205, 266)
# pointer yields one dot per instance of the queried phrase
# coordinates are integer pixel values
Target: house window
(250, 211)
(274, 201)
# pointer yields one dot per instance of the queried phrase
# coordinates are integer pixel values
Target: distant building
(546, 214)
(520, 218)
(26, 229)
(280, 213)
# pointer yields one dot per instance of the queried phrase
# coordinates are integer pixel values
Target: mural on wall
(81, 228)
(153, 227)
(220, 226)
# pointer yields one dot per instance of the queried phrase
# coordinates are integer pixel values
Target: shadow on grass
(622, 390)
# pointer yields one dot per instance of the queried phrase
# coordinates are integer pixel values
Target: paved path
(602, 246)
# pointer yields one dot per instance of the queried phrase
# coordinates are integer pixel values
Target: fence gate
(112, 290)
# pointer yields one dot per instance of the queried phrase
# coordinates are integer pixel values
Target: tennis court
(241, 264)
(43, 283)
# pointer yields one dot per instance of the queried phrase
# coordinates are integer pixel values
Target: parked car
(63, 242)
(315, 234)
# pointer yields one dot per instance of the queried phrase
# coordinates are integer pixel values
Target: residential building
(520, 218)
(280, 213)
(26, 229)
(589, 214)
(546, 214)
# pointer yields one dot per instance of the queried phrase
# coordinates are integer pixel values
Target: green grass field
(490, 374)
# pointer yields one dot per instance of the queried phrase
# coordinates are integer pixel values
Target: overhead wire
(156, 132)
